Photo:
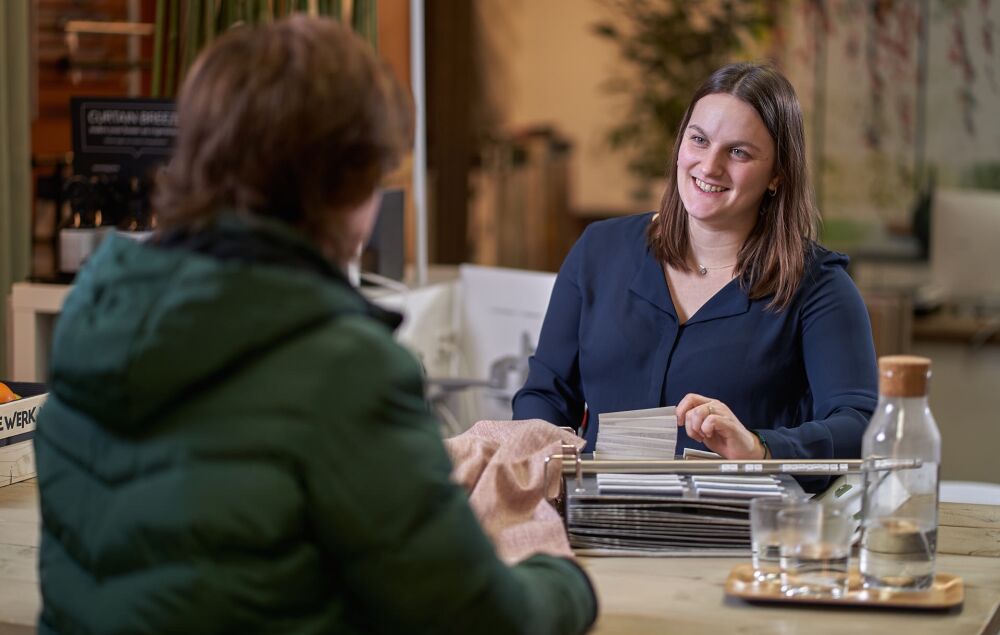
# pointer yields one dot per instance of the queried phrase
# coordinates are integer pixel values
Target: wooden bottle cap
(903, 375)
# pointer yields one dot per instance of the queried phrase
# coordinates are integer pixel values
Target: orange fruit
(6, 394)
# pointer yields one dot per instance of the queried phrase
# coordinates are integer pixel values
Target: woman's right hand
(711, 422)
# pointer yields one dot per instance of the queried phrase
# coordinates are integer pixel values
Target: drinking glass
(765, 541)
(815, 550)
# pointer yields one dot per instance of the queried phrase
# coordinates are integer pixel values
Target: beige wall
(544, 66)
(965, 400)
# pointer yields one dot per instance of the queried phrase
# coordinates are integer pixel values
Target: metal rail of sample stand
(574, 465)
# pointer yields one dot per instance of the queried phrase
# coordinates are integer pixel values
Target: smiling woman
(754, 115)
(721, 303)
(725, 163)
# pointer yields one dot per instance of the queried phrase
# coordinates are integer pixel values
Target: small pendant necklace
(703, 270)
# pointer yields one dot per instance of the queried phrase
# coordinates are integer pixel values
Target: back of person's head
(296, 120)
(772, 259)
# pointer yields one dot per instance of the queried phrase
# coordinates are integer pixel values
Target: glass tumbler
(815, 550)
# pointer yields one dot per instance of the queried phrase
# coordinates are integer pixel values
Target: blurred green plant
(184, 27)
(982, 176)
(671, 47)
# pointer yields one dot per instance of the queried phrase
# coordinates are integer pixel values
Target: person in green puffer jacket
(233, 442)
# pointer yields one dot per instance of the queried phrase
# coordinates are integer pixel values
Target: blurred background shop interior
(545, 116)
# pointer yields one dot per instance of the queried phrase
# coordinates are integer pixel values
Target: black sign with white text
(121, 137)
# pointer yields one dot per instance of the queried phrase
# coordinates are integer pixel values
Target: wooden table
(637, 595)
(685, 596)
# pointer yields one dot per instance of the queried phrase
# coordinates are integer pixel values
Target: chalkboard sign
(121, 137)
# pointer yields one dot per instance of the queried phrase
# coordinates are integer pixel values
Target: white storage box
(17, 431)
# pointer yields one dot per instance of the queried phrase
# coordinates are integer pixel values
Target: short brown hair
(293, 120)
(772, 260)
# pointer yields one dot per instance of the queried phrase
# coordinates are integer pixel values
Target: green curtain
(15, 157)
(184, 27)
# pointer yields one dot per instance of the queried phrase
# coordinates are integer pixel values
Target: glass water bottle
(900, 508)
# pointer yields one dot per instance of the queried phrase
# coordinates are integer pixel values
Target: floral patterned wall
(896, 90)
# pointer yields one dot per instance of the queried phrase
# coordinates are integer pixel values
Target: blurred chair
(964, 257)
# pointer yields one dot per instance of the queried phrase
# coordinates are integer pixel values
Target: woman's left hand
(711, 422)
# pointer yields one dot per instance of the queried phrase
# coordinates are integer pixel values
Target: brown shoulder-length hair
(772, 260)
(295, 120)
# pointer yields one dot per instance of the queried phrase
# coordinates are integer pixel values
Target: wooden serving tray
(947, 591)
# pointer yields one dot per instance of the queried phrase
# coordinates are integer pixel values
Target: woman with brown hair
(233, 442)
(722, 303)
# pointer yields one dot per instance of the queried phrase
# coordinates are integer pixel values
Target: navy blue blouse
(805, 377)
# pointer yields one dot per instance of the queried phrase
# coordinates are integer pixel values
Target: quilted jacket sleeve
(400, 535)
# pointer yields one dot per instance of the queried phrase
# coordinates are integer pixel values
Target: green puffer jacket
(237, 447)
